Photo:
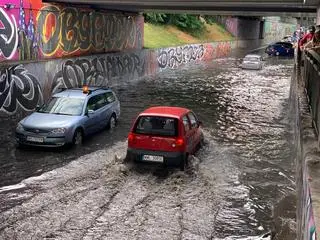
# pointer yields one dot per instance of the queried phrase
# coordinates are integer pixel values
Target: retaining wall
(249, 28)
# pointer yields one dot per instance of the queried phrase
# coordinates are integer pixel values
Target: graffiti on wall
(25, 86)
(98, 71)
(174, 57)
(8, 35)
(18, 88)
(32, 30)
(216, 50)
(277, 30)
(222, 49)
(310, 232)
(68, 31)
(231, 25)
(18, 37)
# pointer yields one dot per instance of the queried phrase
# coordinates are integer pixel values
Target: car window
(288, 45)
(96, 102)
(254, 59)
(186, 123)
(193, 120)
(154, 125)
(109, 97)
(284, 44)
(63, 106)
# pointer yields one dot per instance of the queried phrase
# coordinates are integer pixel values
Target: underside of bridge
(295, 8)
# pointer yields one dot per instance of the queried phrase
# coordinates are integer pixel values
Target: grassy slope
(166, 36)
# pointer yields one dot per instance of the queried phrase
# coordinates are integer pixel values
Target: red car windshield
(159, 126)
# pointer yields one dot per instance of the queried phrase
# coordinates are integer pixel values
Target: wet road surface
(236, 188)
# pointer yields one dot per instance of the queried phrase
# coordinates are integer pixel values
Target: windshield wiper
(62, 113)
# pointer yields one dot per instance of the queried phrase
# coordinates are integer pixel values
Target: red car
(165, 135)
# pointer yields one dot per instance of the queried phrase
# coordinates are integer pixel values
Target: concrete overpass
(226, 7)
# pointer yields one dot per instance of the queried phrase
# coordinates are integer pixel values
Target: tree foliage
(155, 18)
(185, 22)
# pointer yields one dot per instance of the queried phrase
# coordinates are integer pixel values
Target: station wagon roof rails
(61, 89)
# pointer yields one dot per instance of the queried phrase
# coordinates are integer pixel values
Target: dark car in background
(280, 49)
(287, 38)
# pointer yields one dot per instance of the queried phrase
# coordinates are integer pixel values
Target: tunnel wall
(250, 28)
(32, 30)
(275, 30)
(241, 27)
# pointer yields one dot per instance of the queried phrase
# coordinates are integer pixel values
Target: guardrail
(311, 77)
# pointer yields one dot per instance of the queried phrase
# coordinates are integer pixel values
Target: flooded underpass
(240, 184)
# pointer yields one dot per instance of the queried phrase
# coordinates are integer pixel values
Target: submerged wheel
(112, 122)
(201, 143)
(20, 146)
(77, 137)
(184, 163)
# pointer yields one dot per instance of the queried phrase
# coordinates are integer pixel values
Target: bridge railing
(311, 77)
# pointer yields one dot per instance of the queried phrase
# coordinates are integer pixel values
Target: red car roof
(165, 111)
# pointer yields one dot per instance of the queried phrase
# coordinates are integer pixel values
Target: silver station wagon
(69, 116)
(252, 61)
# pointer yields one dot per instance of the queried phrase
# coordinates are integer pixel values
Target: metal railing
(311, 78)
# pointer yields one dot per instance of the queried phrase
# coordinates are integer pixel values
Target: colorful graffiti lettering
(209, 52)
(68, 31)
(34, 30)
(8, 35)
(28, 38)
(223, 49)
(18, 87)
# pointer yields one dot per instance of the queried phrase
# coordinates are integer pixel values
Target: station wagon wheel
(112, 122)
(77, 137)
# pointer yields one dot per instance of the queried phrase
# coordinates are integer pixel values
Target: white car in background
(252, 61)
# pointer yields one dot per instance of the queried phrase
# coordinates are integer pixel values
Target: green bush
(155, 18)
(185, 22)
(210, 19)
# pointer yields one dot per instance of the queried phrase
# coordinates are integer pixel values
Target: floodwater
(241, 184)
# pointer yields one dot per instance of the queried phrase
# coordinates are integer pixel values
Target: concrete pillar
(318, 16)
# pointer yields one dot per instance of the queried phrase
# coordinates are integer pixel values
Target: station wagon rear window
(254, 59)
(159, 126)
